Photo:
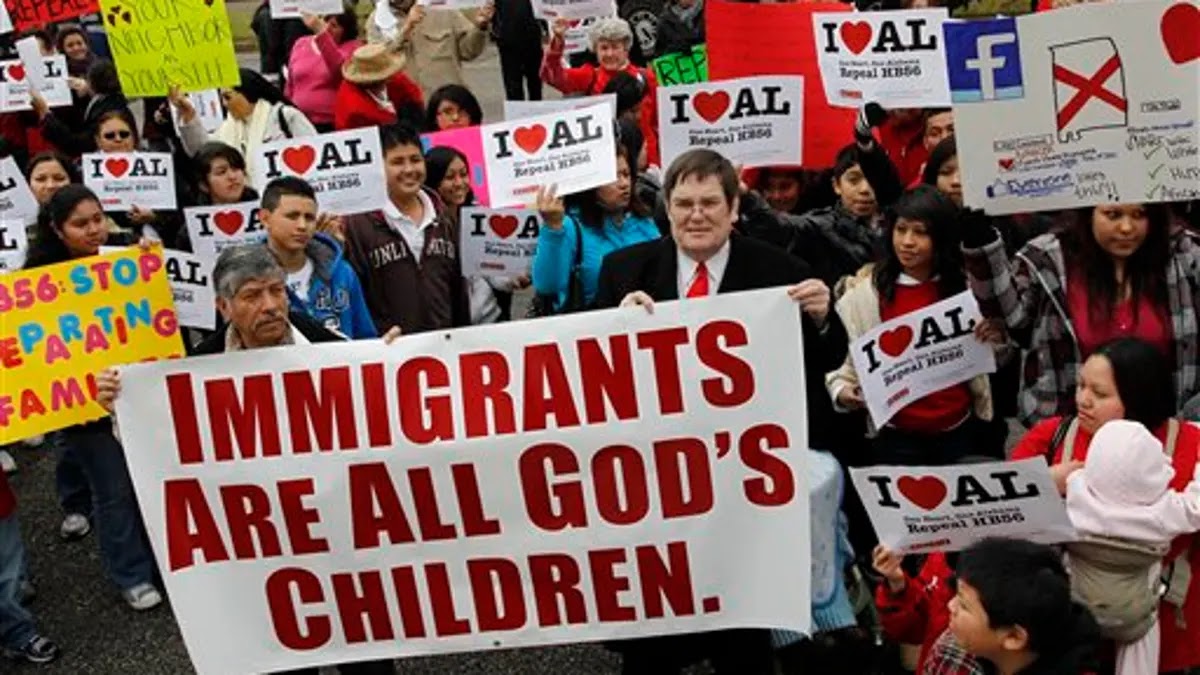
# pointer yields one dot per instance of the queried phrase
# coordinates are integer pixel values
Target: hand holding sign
(888, 564)
(813, 297)
(550, 205)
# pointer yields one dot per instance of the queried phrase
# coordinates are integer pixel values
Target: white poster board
(514, 110)
(497, 242)
(191, 284)
(212, 229)
(17, 203)
(291, 9)
(345, 168)
(549, 10)
(209, 109)
(16, 82)
(123, 180)
(14, 244)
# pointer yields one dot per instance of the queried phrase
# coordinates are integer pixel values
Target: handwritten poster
(123, 180)
(16, 83)
(683, 68)
(345, 168)
(1085, 105)
(157, 44)
(26, 14)
(292, 9)
(64, 323)
(470, 144)
(497, 242)
(212, 229)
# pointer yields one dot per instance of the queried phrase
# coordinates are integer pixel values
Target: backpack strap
(1064, 436)
(283, 123)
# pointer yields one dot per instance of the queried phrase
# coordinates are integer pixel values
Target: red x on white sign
(1088, 88)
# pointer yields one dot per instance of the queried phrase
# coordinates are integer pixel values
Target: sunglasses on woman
(117, 135)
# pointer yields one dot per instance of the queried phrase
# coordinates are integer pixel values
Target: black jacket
(75, 139)
(674, 36)
(308, 327)
(652, 267)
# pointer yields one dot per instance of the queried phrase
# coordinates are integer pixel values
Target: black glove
(976, 228)
(870, 116)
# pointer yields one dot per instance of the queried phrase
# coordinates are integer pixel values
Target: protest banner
(212, 229)
(894, 58)
(497, 242)
(64, 323)
(753, 121)
(14, 243)
(157, 44)
(17, 203)
(514, 110)
(1085, 105)
(922, 509)
(26, 14)
(683, 68)
(469, 142)
(16, 83)
(911, 356)
(345, 168)
(652, 463)
(123, 180)
(549, 10)
(574, 150)
(746, 40)
(292, 9)
(207, 105)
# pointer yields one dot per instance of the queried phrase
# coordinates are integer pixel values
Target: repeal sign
(28, 14)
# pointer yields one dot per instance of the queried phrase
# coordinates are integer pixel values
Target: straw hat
(372, 63)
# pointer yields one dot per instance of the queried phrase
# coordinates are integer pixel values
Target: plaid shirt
(1029, 294)
(946, 657)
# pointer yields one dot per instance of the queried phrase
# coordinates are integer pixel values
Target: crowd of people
(1092, 314)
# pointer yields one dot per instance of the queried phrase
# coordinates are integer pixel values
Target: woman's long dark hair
(1143, 378)
(437, 163)
(48, 247)
(1145, 270)
(587, 203)
(926, 204)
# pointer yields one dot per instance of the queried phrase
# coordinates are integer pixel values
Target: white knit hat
(1126, 465)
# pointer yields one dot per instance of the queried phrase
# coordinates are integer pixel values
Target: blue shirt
(556, 252)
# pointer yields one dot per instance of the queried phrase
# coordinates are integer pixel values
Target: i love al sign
(17, 203)
(919, 353)
(212, 229)
(924, 509)
(16, 83)
(497, 242)
(127, 179)
(345, 168)
(754, 121)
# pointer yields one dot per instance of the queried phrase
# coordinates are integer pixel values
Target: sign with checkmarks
(1104, 108)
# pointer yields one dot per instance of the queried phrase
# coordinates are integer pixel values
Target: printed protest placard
(902, 360)
(518, 109)
(497, 242)
(14, 243)
(17, 203)
(123, 180)
(747, 39)
(574, 150)
(26, 14)
(469, 142)
(947, 508)
(29, 53)
(291, 9)
(212, 229)
(683, 68)
(576, 41)
(345, 168)
(754, 121)
(158, 44)
(191, 287)
(1086, 105)
(207, 105)
(565, 463)
(16, 83)
(894, 58)
(549, 10)
(64, 323)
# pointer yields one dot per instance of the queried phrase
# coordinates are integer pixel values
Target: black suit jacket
(653, 268)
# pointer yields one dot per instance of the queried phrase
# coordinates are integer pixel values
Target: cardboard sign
(574, 150)
(469, 143)
(1086, 105)
(684, 68)
(292, 9)
(191, 286)
(345, 168)
(514, 110)
(549, 10)
(921, 509)
(893, 58)
(497, 242)
(753, 121)
(16, 83)
(26, 14)
(29, 52)
(120, 304)
(123, 180)
(921, 352)
(746, 40)
(17, 203)
(209, 109)
(14, 243)
(576, 41)
(579, 492)
(212, 229)
(157, 44)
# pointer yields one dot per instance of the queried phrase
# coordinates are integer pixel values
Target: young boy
(19, 637)
(1013, 611)
(320, 282)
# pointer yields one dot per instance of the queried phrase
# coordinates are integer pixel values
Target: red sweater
(1180, 645)
(355, 108)
(918, 615)
(905, 146)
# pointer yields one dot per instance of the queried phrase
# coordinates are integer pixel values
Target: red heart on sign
(1006, 163)
(116, 167)
(16, 72)
(856, 36)
(530, 139)
(229, 222)
(893, 342)
(300, 159)
(503, 225)
(1180, 28)
(711, 106)
(926, 492)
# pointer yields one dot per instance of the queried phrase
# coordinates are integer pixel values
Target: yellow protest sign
(160, 43)
(62, 324)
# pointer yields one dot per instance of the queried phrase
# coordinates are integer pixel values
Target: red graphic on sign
(229, 222)
(300, 159)
(893, 342)
(116, 167)
(530, 139)
(16, 72)
(503, 226)
(926, 492)
(711, 106)
(1180, 27)
(856, 36)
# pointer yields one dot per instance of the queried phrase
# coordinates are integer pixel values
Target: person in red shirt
(374, 91)
(902, 137)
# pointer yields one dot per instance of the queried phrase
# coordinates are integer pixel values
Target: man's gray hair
(239, 264)
(612, 29)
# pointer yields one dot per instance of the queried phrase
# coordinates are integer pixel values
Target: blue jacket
(335, 298)
(556, 252)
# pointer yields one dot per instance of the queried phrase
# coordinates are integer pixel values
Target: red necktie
(699, 287)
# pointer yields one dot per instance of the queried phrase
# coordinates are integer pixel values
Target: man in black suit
(704, 256)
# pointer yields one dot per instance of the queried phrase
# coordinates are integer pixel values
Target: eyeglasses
(117, 135)
(450, 113)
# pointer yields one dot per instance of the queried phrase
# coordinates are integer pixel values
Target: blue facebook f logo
(984, 60)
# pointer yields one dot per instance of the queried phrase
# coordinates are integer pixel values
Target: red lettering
(608, 586)
(429, 517)
(441, 599)
(100, 269)
(184, 504)
(375, 405)
(670, 578)
(414, 404)
(253, 420)
(183, 418)
(607, 380)
(485, 380)
(333, 405)
(555, 581)
(694, 455)
(371, 485)
(404, 580)
(488, 575)
(619, 470)
(551, 507)
(712, 343)
(470, 502)
(317, 630)
(353, 605)
(298, 518)
(56, 350)
(66, 394)
(547, 390)
(664, 349)
(753, 448)
(10, 353)
(31, 405)
(248, 512)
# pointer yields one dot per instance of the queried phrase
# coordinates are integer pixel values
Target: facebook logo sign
(984, 60)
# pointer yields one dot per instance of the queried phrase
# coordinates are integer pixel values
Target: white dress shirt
(412, 232)
(687, 269)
